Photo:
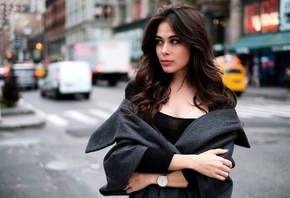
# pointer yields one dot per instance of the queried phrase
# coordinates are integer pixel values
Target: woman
(175, 131)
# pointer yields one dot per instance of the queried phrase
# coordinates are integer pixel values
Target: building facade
(265, 39)
(54, 36)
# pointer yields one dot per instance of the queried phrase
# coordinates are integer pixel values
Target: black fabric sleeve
(155, 161)
(190, 176)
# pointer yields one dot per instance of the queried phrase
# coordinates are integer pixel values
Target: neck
(182, 87)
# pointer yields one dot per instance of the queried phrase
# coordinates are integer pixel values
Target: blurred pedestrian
(175, 131)
(287, 75)
(256, 75)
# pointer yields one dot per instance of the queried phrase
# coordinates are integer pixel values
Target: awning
(250, 43)
(280, 41)
(131, 26)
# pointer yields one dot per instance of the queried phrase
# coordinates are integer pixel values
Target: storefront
(266, 39)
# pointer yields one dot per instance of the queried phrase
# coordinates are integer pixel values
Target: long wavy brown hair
(153, 84)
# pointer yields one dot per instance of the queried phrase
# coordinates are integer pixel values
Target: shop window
(103, 11)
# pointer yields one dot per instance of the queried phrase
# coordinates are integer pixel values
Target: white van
(67, 78)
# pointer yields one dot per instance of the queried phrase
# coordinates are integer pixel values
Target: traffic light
(9, 55)
(38, 46)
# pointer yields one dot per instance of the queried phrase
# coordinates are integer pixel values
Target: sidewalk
(23, 117)
(275, 93)
(19, 117)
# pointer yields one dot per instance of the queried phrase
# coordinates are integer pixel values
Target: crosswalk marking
(56, 120)
(81, 117)
(284, 111)
(253, 111)
(104, 110)
(263, 111)
(100, 113)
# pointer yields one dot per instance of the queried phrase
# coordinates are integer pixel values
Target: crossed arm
(208, 163)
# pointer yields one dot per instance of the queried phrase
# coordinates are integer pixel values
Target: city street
(50, 162)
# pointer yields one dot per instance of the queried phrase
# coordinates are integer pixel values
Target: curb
(20, 117)
(27, 124)
(9, 112)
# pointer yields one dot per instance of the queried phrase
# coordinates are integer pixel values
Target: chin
(167, 70)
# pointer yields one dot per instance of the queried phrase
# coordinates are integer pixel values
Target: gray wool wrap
(132, 136)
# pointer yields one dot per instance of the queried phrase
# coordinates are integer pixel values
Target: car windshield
(233, 71)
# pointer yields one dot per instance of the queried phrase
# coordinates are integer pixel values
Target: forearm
(175, 179)
(180, 162)
(208, 163)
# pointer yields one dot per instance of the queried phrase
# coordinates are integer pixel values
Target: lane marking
(57, 120)
(99, 113)
(81, 117)
(264, 111)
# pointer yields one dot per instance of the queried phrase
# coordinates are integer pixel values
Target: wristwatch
(162, 180)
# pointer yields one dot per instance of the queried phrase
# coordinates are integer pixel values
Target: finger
(223, 174)
(130, 190)
(226, 162)
(220, 177)
(219, 151)
(225, 169)
(127, 187)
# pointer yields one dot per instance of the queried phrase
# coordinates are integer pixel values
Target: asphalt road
(50, 161)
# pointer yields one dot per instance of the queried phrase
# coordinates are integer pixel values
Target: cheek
(184, 55)
(158, 51)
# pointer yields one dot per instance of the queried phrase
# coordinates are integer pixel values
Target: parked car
(234, 73)
(67, 78)
(25, 75)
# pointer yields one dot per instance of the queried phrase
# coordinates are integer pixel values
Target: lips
(166, 62)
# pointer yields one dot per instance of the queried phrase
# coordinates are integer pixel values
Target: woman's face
(173, 54)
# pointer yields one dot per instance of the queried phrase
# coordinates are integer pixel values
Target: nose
(165, 49)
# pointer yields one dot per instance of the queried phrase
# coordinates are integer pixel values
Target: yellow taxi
(234, 73)
(40, 70)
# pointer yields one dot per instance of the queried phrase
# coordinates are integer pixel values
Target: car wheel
(42, 93)
(87, 96)
(57, 94)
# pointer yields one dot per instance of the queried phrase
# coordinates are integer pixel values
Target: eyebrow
(173, 36)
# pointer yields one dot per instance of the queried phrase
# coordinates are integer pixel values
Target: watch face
(162, 180)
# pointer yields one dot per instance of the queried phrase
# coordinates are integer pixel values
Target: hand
(139, 181)
(210, 164)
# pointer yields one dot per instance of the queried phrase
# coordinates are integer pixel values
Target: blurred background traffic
(89, 49)
(256, 33)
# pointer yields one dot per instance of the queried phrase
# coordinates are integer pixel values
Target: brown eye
(158, 42)
(175, 41)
